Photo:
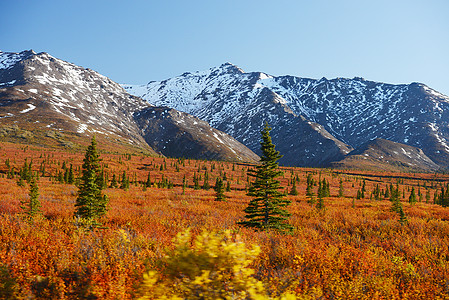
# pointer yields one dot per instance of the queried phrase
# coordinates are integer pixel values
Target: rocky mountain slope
(49, 101)
(173, 132)
(344, 113)
(384, 155)
(42, 94)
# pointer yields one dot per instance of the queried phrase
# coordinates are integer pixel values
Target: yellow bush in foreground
(211, 266)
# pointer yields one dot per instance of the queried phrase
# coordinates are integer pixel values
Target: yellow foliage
(213, 266)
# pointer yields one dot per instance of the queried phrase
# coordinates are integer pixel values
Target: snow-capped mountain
(42, 96)
(344, 113)
(60, 96)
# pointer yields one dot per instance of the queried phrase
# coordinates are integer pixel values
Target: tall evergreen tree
(125, 182)
(114, 183)
(32, 206)
(196, 182)
(267, 209)
(91, 204)
(394, 198)
(184, 184)
(412, 197)
(219, 190)
(228, 186)
(427, 196)
(363, 190)
(443, 198)
(309, 190)
(206, 184)
(70, 177)
(101, 181)
(341, 189)
(320, 202)
(294, 191)
(148, 182)
(402, 217)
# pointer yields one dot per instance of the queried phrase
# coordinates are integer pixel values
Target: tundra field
(355, 248)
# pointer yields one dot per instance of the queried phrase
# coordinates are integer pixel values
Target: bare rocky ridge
(45, 97)
(349, 112)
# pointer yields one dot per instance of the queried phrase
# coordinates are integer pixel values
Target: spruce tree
(71, 177)
(363, 190)
(427, 196)
(387, 192)
(91, 204)
(294, 191)
(402, 217)
(184, 184)
(148, 182)
(412, 197)
(309, 190)
(340, 189)
(66, 175)
(228, 186)
(32, 206)
(101, 181)
(219, 190)
(114, 183)
(20, 182)
(320, 203)
(443, 198)
(125, 182)
(267, 208)
(206, 184)
(396, 205)
(196, 182)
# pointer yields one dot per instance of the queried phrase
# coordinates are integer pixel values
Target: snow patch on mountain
(352, 111)
(30, 108)
(9, 59)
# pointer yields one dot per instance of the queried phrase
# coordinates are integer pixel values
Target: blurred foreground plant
(210, 266)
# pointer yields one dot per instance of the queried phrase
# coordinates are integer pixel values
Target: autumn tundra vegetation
(105, 225)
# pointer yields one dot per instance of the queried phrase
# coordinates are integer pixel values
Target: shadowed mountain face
(341, 114)
(45, 100)
(172, 132)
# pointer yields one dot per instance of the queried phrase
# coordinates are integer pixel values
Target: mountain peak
(60, 103)
(29, 52)
(9, 59)
(352, 111)
(231, 68)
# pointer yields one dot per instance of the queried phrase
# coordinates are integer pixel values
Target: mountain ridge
(352, 111)
(384, 155)
(316, 122)
(40, 93)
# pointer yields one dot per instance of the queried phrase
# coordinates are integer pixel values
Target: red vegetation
(354, 249)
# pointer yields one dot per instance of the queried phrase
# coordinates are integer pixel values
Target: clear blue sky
(393, 41)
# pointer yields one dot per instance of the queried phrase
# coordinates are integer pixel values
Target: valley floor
(353, 249)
